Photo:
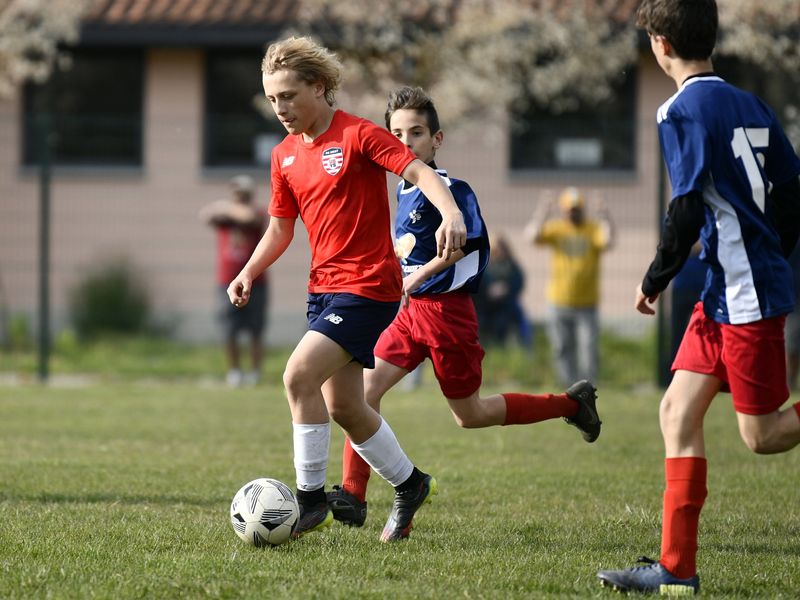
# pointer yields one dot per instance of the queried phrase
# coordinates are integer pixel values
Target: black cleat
(346, 507)
(586, 419)
(406, 504)
(652, 578)
(314, 518)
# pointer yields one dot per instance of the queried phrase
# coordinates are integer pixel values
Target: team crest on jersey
(332, 160)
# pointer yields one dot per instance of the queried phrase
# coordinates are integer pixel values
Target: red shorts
(444, 328)
(749, 359)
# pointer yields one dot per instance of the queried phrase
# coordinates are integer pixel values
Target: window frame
(30, 134)
(211, 158)
(520, 170)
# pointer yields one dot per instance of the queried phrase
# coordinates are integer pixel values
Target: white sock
(383, 453)
(311, 447)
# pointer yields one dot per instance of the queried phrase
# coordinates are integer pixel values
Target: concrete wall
(150, 214)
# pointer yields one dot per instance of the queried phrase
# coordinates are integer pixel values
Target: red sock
(683, 499)
(527, 408)
(796, 408)
(355, 472)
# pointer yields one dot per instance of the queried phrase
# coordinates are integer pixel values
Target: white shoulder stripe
(661, 115)
(442, 173)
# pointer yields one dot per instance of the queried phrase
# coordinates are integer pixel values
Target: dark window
(236, 132)
(95, 107)
(599, 136)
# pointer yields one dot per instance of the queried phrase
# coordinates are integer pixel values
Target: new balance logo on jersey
(334, 318)
(287, 161)
(414, 215)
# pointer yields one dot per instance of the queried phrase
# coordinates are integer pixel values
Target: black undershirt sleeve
(685, 218)
(471, 245)
(785, 201)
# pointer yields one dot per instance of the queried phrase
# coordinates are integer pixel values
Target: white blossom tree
(478, 57)
(30, 34)
(767, 36)
(484, 57)
(764, 33)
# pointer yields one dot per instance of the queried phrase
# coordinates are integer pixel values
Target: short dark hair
(690, 26)
(412, 98)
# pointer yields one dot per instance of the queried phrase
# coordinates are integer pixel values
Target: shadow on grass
(769, 546)
(113, 499)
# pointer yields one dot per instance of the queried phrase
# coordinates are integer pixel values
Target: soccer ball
(264, 512)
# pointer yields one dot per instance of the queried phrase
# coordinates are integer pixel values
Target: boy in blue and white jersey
(415, 234)
(735, 185)
(437, 318)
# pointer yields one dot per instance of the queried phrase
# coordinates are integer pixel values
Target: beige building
(155, 84)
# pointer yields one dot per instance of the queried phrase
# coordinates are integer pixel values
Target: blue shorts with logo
(354, 322)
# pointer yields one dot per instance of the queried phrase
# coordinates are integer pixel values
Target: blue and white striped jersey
(415, 228)
(728, 145)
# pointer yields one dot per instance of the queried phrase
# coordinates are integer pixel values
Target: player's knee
(373, 398)
(296, 383)
(465, 422)
(339, 414)
(468, 419)
(757, 441)
(668, 414)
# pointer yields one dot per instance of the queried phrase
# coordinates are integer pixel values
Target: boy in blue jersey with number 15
(734, 178)
(437, 318)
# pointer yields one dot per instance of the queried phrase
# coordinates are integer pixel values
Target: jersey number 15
(744, 141)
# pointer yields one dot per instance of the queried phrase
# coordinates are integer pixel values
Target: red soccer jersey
(337, 185)
(234, 247)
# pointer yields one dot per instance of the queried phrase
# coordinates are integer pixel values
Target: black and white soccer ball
(264, 512)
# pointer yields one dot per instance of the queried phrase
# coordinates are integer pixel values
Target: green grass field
(122, 489)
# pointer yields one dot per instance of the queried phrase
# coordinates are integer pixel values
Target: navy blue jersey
(728, 145)
(415, 237)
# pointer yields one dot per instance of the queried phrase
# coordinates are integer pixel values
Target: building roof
(188, 13)
(271, 12)
(235, 22)
(185, 22)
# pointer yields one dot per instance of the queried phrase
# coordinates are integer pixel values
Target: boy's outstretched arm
(452, 233)
(413, 281)
(274, 242)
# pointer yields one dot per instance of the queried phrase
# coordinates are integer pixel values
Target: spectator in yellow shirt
(573, 290)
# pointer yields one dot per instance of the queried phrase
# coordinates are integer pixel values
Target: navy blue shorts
(352, 321)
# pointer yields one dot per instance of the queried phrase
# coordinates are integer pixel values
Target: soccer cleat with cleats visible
(406, 504)
(586, 419)
(346, 508)
(314, 518)
(652, 578)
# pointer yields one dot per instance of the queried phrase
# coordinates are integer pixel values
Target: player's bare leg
(773, 433)
(256, 358)
(234, 375)
(314, 361)
(321, 380)
(348, 501)
(682, 410)
(576, 406)
(380, 380)
(474, 412)
(370, 436)
(681, 415)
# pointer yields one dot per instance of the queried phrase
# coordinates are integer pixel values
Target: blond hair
(311, 62)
